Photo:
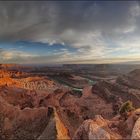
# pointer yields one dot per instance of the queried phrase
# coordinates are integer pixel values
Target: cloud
(14, 56)
(97, 29)
(38, 20)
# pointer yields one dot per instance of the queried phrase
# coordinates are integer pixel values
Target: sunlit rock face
(25, 80)
(55, 128)
(37, 83)
(90, 130)
(12, 74)
(136, 131)
(115, 128)
(95, 129)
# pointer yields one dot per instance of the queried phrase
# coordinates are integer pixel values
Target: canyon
(58, 105)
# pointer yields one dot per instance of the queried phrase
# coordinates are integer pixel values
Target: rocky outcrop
(36, 83)
(96, 129)
(12, 74)
(21, 124)
(55, 129)
(136, 125)
(31, 83)
(136, 131)
(115, 128)
(126, 87)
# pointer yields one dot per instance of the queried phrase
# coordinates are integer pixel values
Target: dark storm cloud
(35, 20)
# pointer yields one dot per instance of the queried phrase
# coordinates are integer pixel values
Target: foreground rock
(95, 129)
(115, 128)
(21, 124)
(55, 129)
(136, 130)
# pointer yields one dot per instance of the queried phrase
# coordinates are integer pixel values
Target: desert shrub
(126, 107)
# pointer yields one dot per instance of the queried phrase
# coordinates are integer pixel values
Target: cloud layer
(100, 32)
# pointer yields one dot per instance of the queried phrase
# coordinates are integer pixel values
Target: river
(66, 84)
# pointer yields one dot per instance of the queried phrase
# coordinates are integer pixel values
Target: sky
(60, 32)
